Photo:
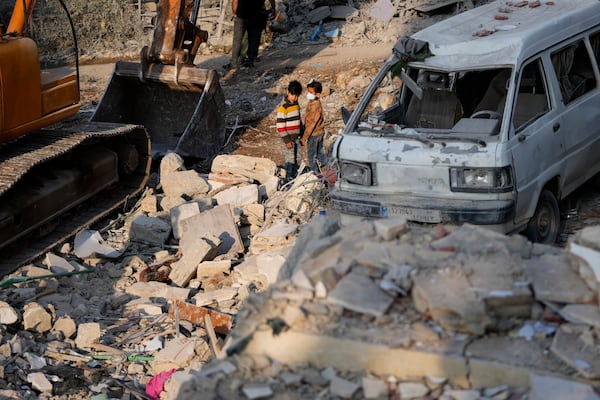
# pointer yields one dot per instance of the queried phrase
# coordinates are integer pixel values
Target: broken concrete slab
(474, 239)
(87, 334)
(177, 353)
(582, 314)
(382, 10)
(189, 183)
(389, 228)
(157, 289)
(194, 252)
(214, 297)
(150, 230)
(350, 355)
(553, 279)
(257, 168)
(253, 214)
(588, 262)
(8, 315)
(446, 294)
(318, 14)
(238, 195)
(66, 326)
(578, 346)
(208, 269)
(343, 12)
(357, 292)
(181, 212)
(58, 265)
(496, 361)
(35, 317)
(276, 236)
(39, 382)
(217, 221)
(555, 388)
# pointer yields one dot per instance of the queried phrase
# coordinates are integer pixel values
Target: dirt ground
(252, 96)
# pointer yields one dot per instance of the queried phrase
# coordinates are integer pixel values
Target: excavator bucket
(181, 106)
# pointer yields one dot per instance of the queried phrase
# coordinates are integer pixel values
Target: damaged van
(490, 117)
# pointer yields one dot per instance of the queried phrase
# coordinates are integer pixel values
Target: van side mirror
(345, 114)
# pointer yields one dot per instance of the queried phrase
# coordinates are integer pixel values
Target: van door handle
(556, 127)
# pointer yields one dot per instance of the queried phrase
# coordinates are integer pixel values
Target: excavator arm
(21, 16)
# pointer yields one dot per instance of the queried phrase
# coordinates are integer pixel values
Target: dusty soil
(252, 96)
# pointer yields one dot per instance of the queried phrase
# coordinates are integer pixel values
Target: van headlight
(356, 173)
(484, 180)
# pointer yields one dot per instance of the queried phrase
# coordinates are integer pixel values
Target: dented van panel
(479, 119)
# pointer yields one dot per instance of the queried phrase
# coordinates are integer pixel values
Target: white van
(495, 125)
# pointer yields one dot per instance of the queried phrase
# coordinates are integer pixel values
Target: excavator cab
(181, 106)
(31, 98)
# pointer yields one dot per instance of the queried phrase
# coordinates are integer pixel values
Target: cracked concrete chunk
(87, 334)
(578, 346)
(553, 388)
(553, 279)
(35, 317)
(582, 314)
(238, 195)
(357, 292)
(342, 387)
(254, 391)
(157, 289)
(39, 382)
(202, 249)
(150, 230)
(8, 315)
(447, 296)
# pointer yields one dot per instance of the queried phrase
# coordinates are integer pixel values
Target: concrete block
(179, 213)
(150, 230)
(358, 292)
(157, 289)
(35, 317)
(553, 279)
(577, 346)
(256, 168)
(351, 355)
(555, 388)
(216, 221)
(238, 196)
(8, 315)
(87, 334)
(189, 183)
(66, 325)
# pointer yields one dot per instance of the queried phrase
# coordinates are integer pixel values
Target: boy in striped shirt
(289, 126)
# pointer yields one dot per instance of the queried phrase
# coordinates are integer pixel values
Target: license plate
(413, 214)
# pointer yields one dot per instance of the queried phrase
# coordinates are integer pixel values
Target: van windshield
(464, 103)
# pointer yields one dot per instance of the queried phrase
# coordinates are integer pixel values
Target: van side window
(573, 68)
(532, 98)
(595, 42)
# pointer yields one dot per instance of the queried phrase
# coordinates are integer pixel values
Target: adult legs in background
(254, 34)
(239, 28)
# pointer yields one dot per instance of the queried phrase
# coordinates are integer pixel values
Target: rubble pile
(154, 289)
(218, 286)
(386, 310)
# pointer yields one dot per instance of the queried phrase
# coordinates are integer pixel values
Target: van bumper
(427, 210)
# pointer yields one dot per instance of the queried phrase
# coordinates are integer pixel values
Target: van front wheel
(544, 226)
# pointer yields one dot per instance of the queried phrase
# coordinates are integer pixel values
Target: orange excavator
(60, 172)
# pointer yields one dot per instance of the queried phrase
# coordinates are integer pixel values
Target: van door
(579, 108)
(534, 141)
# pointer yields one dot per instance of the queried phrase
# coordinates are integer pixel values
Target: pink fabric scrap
(156, 385)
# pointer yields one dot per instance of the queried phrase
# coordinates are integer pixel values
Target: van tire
(544, 226)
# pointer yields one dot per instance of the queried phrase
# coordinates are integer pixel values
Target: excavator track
(37, 160)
